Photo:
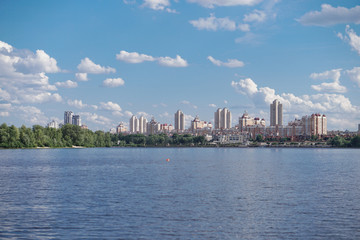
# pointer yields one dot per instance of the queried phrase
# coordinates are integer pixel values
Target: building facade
(179, 121)
(222, 118)
(134, 124)
(276, 113)
(142, 125)
(76, 120)
(68, 115)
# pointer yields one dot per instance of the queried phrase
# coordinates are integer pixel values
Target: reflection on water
(132, 193)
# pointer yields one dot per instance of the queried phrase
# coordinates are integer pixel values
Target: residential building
(245, 121)
(142, 125)
(222, 119)
(179, 121)
(153, 127)
(198, 125)
(53, 124)
(68, 115)
(134, 124)
(276, 113)
(76, 120)
(121, 128)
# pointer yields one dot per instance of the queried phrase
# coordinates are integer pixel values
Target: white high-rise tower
(276, 113)
(179, 121)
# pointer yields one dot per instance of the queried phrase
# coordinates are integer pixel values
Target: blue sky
(108, 60)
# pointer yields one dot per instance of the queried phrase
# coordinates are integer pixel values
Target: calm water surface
(134, 193)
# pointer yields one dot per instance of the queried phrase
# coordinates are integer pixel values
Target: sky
(109, 60)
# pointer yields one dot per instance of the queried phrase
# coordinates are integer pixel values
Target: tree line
(72, 135)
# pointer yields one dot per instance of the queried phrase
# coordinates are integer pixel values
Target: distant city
(222, 129)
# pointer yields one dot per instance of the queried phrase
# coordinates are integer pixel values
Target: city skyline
(109, 61)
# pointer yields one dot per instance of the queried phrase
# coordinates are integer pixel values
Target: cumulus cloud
(88, 66)
(354, 75)
(76, 103)
(158, 5)
(67, 84)
(110, 106)
(173, 62)
(81, 76)
(94, 118)
(113, 82)
(213, 24)
(213, 3)
(135, 57)
(329, 87)
(32, 114)
(231, 63)
(255, 16)
(23, 75)
(352, 38)
(38, 62)
(330, 15)
(306, 104)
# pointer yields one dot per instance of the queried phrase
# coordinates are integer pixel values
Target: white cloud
(23, 75)
(306, 104)
(133, 57)
(212, 105)
(5, 47)
(352, 38)
(33, 115)
(255, 16)
(110, 106)
(113, 82)
(4, 114)
(41, 97)
(156, 4)
(35, 63)
(128, 114)
(173, 62)
(213, 3)
(330, 87)
(67, 84)
(331, 15)
(335, 86)
(332, 74)
(77, 103)
(213, 24)
(81, 76)
(94, 118)
(88, 66)
(354, 75)
(231, 63)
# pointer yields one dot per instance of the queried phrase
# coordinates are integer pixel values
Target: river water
(200, 193)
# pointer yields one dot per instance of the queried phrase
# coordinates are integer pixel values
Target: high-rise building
(76, 120)
(359, 128)
(142, 125)
(222, 118)
(68, 115)
(134, 124)
(276, 113)
(179, 121)
(245, 121)
(316, 124)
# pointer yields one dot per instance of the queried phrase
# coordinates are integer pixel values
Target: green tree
(355, 142)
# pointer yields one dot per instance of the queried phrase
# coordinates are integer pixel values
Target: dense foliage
(339, 141)
(38, 136)
(72, 135)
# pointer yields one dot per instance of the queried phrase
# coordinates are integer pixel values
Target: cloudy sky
(108, 60)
